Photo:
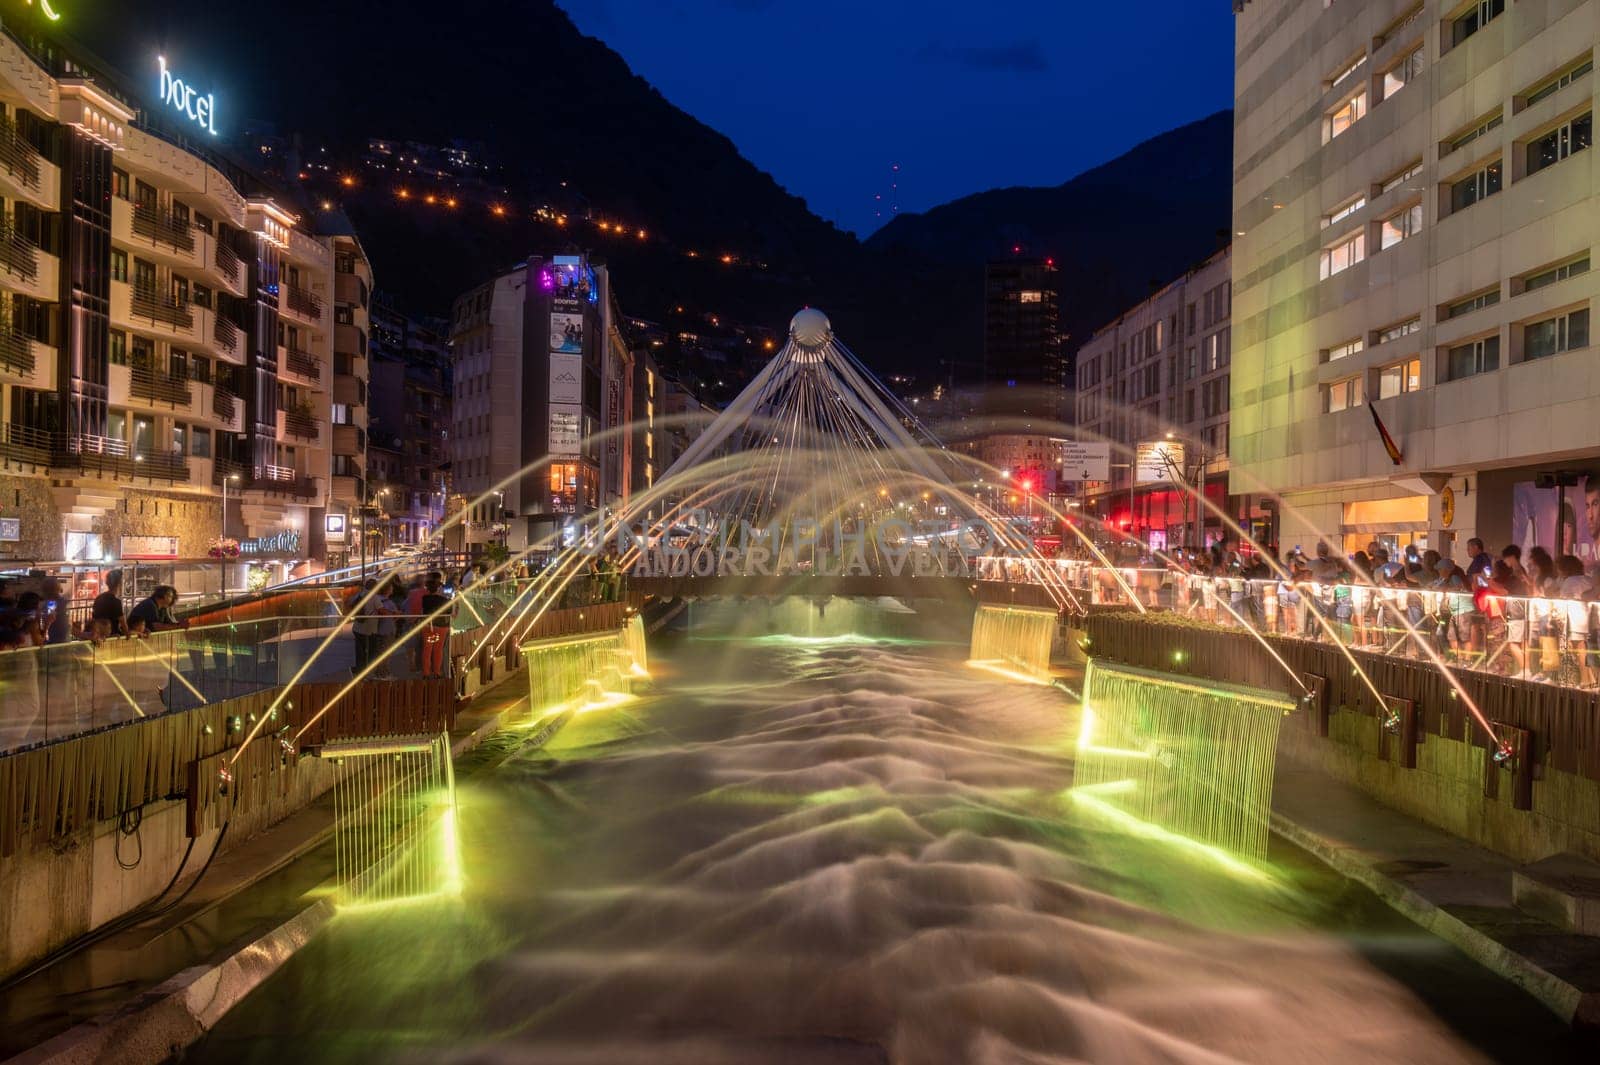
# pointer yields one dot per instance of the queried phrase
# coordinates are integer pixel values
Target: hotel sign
(185, 99)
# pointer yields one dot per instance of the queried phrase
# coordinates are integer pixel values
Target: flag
(1388, 441)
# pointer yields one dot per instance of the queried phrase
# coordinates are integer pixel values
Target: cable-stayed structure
(815, 434)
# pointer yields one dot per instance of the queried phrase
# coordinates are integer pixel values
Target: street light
(222, 558)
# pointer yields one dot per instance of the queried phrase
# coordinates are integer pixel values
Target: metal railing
(225, 333)
(1549, 638)
(302, 363)
(146, 383)
(104, 455)
(20, 158)
(162, 308)
(18, 254)
(302, 301)
(161, 227)
(16, 351)
(227, 261)
(299, 423)
(21, 443)
(224, 404)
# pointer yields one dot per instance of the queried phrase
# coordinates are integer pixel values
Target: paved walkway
(1457, 890)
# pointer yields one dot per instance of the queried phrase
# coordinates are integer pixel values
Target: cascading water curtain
(1016, 637)
(633, 645)
(395, 819)
(1195, 759)
(566, 670)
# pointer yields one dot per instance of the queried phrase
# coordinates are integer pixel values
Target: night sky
(828, 94)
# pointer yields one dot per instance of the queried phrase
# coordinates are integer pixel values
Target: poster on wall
(566, 434)
(566, 333)
(1534, 517)
(149, 548)
(10, 530)
(566, 378)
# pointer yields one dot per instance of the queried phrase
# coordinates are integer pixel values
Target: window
(1559, 143)
(1394, 181)
(1400, 225)
(343, 315)
(1472, 303)
(1473, 132)
(1192, 370)
(1345, 71)
(1339, 214)
(1399, 329)
(119, 184)
(1343, 255)
(1475, 357)
(119, 265)
(1340, 351)
(1216, 350)
(200, 442)
(1565, 332)
(1556, 84)
(1397, 76)
(118, 347)
(1342, 395)
(1030, 297)
(1400, 378)
(1344, 116)
(339, 414)
(1555, 273)
(1474, 187)
(1474, 19)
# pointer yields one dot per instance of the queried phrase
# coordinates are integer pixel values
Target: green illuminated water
(1018, 638)
(1194, 759)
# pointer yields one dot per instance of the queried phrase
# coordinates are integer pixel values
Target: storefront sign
(201, 110)
(149, 548)
(334, 526)
(286, 542)
(10, 530)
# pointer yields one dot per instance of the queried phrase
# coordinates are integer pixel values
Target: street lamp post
(222, 554)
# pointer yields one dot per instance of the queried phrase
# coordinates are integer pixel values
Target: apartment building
(1415, 211)
(1160, 376)
(1024, 371)
(165, 330)
(409, 439)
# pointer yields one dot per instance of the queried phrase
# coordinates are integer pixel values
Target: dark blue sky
(828, 94)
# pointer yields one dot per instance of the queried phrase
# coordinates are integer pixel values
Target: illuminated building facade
(166, 328)
(1415, 212)
(1024, 370)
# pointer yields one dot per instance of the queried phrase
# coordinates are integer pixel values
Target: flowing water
(855, 850)
(1017, 638)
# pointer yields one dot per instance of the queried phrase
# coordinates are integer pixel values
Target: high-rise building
(531, 351)
(1024, 372)
(1416, 209)
(408, 442)
(166, 329)
(1159, 376)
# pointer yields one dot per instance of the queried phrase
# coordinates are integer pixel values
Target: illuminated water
(1017, 638)
(840, 850)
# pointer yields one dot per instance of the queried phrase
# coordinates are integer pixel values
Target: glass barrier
(1550, 639)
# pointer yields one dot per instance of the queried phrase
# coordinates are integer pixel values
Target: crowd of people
(1526, 614)
(38, 617)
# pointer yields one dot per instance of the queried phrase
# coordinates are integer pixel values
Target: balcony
(297, 423)
(18, 443)
(102, 456)
(18, 255)
(283, 480)
(301, 364)
(146, 383)
(161, 309)
(160, 227)
(227, 262)
(227, 337)
(224, 404)
(301, 302)
(16, 353)
(19, 158)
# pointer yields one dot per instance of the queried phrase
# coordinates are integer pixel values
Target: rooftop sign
(183, 98)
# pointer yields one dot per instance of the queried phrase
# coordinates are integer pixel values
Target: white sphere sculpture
(810, 328)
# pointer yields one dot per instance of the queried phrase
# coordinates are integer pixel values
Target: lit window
(1340, 351)
(1400, 329)
(1554, 274)
(1474, 19)
(1030, 297)
(1344, 116)
(1565, 332)
(1555, 85)
(1400, 378)
(1342, 395)
(1472, 303)
(1400, 225)
(1343, 255)
(1559, 143)
(1339, 214)
(1474, 187)
(1397, 76)
(1475, 357)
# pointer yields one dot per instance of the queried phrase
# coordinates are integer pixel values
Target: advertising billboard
(566, 428)
(566, 333)
(566, 378)
(149, 548)
(1534, 520)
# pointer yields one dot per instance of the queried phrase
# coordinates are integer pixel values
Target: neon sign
(201, 110)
